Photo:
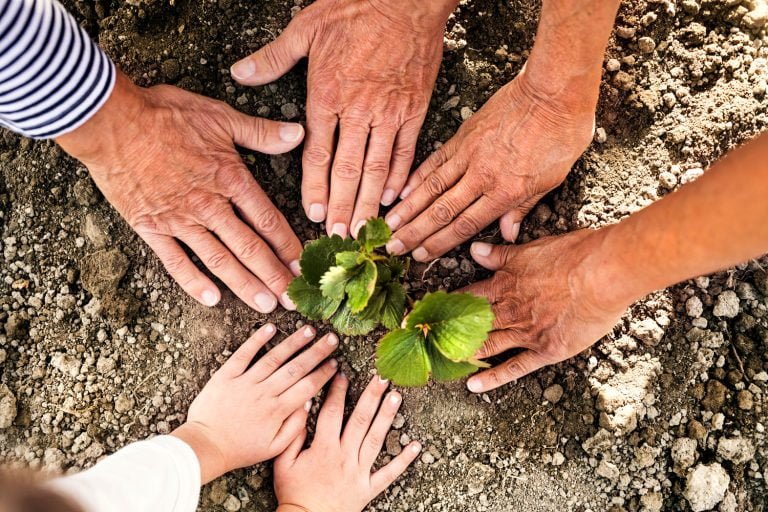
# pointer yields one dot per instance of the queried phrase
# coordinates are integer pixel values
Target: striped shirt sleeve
(53, 78)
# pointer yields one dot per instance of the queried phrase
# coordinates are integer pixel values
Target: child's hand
(246, 415)
(334, 474)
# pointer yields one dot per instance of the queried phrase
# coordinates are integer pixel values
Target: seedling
(357, 287)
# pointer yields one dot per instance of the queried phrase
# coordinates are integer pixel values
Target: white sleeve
(158, 475)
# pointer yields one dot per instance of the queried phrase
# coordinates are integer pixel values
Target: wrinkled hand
(166, 160)
(544, 297)
(249, 413)
(334, 474)
(370, 77)
(517, 148)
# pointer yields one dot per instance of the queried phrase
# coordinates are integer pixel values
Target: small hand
(370, 77)
(517, 148)
(545, 301)
(165, 158)
(250, 413)
(334, 474)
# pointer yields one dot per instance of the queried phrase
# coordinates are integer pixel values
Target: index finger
(512, 369)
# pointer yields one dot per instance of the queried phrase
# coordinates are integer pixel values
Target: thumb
(510, 221)
(273, 60)
(263, 135)
(492, 257)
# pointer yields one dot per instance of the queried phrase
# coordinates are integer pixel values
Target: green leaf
(348, 259)
(310, 301)
(333, 282)
(348, 323)
(373, 310)
(374, 234)
(397, 267)
(320, 255)
(384, 272)
(360, 286)
(458, 322)
(443, 369)
(394, 306)
(402, 358)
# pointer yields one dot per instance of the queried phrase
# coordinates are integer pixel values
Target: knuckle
(217, 260)
(441, 213)
(466, 226)
(272, 362)
(377, 169)
(332, 409)
(374, 442)
(346, 171)
(435, 184)
(251, 248)
(267, 222)
(361, 420)
(513, 369)
(316, 156)
(294, 369)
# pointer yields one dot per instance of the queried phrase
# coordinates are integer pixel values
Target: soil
(99, 347)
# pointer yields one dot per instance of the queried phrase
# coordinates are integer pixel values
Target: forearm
(711, 224)
(566, 59)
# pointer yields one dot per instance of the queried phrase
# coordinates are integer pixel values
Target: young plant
(439, 337)
(351, 283)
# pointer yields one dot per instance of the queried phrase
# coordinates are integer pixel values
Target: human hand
(547, 302)
(502, 160)
(372, 67)
(166, 160)
(334, 474)
(250, 413)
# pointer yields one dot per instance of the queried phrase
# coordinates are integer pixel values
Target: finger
(263, 135)
(191, 279)
(467, 224)
(255, 255)
(316, 161)
(243, 356)
(275, 358)
(375, 172)
(509, 223)
(377, 434)
(275, 59)
(261, 214)
(361, 418)
(426, 194)
(402, 159)
(293, 450)
(298, 368)
(384, 477)
(434, 161)
(440, 214)
(492, 257)
(292, 428)
(224, 265)
(510, 370)
(309, 386)
(499, 342)
(331, 415)
(345, 176)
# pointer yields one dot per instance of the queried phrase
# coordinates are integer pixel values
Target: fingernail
(416, 447)
(382, 380)
(265, 302)
(359, 225)
(210, 298)
(395, 246)
(393, 221)
(290, 132)
(388, 197)
(339, 229)
(295, 267)
(308, 405)
(316, 212)
(334, 363)
(515, 231)
(332, 340)
(481, 249)
(474, 385)
(406, 192)
(269, 328)
(308, 332)
(394, 398)
(420, 254)
(287, 302)
(243, 69)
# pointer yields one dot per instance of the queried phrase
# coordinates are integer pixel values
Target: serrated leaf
(402, 358)
(385, 274)
(348, 323)
(333, 282)
(394, 306)
(373, 310)
(320, 255)
(360, 286)
(445, 370)
(458, 322)
(348, 259)
(397, 267)
(310, 301)
(375, 233)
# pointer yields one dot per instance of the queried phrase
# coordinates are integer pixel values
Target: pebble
(553, 393)
(647, 331)
(745, 400)
(124, 403)
(646, 44)
(613, 65)
(232, 504)
(289, 111)
(727, 305)
(558, 459)
(8, 407)
(608, 470)
(668, 180)
(427, 458)
(694, 307)
(736, 449)
(690, 175)
(684, 452)
(393, 443)
(705, 486)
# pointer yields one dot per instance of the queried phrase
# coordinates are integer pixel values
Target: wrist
(417, 15)
(209, 455)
